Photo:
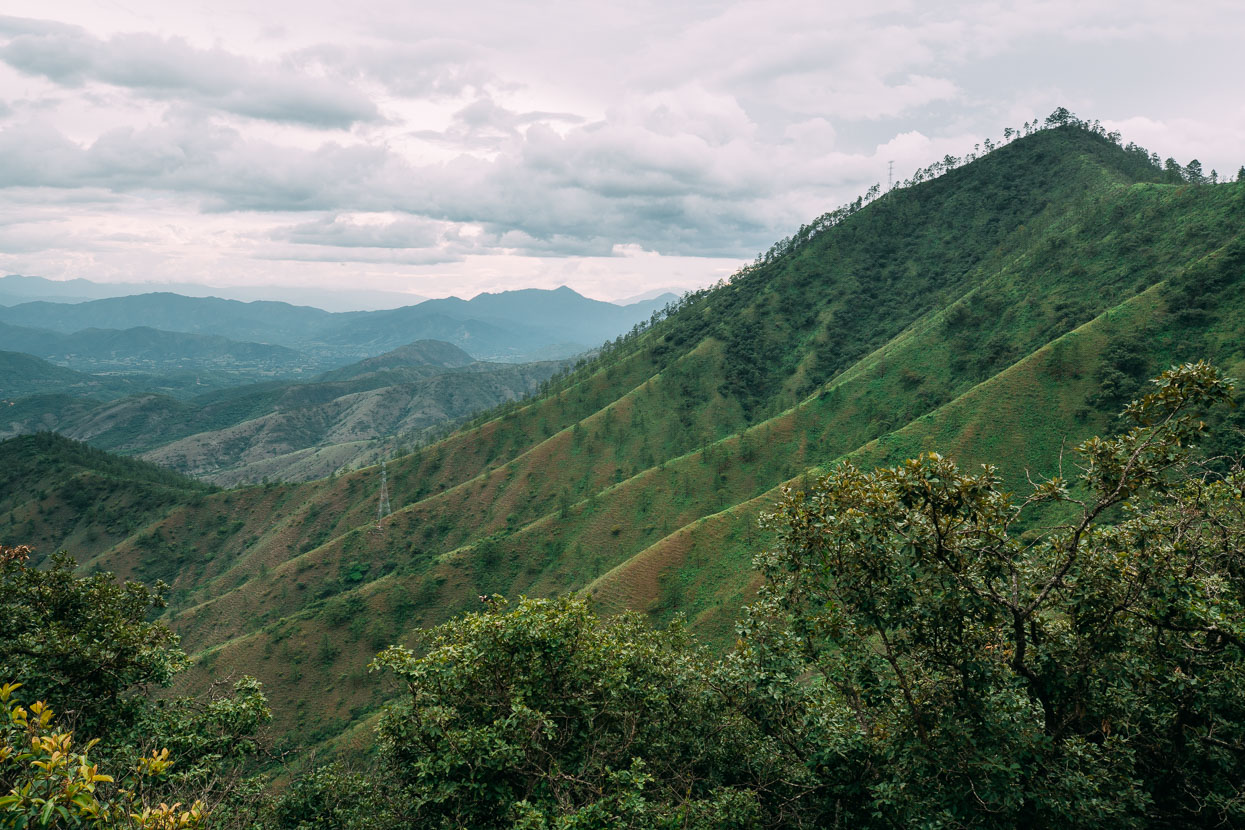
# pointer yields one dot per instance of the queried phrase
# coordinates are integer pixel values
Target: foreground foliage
(541, 715)
(926, 650)
(1070, 659)
(54, 782)
(81, 650)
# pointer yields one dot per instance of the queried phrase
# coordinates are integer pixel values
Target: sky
(618, 148)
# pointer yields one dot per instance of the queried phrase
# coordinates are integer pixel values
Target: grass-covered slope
(1003, 310)
(62, 494)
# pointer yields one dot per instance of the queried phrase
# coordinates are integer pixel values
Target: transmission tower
(383, 509)
(890, 174)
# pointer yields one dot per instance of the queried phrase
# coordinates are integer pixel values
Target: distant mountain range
(16, 289)
(512, 326)
(144, 349)
(237, 391)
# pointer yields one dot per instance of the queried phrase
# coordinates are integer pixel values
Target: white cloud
(1223, 139)
(362, 231)
(429, 67)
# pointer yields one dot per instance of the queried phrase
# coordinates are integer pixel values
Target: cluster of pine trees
(926, 649)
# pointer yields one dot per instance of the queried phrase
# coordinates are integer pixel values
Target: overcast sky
(458, 147)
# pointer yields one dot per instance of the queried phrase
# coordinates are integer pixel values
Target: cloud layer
(474, 147)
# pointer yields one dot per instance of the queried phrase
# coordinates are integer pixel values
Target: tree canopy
(79, 657)
(1069, 658)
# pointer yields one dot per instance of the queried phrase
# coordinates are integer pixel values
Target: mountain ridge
(17, 288)
(998, 311)
(515, 325)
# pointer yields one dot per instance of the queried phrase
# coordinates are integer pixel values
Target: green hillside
(1002, 310)
(280, 429)
(23, 375)
(62, 494)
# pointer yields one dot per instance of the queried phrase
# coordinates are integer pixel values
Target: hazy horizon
(344, 299)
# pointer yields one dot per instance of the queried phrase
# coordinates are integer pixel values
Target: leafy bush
(1071, 659)
(84, 646)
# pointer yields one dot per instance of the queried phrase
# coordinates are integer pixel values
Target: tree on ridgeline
(1193, 172)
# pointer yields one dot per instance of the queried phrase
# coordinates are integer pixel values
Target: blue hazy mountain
(529, 324)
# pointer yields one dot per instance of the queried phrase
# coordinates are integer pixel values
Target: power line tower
(383, 509)
(890, 174)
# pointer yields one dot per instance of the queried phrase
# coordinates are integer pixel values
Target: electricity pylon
(383, 509)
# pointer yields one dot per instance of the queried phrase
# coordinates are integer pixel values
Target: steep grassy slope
(60, 493)
(1001, 311)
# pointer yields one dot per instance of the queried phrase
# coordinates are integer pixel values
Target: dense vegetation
(998, 311)
(926, 649)
(83, 656)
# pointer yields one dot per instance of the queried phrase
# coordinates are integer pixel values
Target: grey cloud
(483, 124)
(522, 243)
(370, 256)
(35, 237)
(578, 194)
(716, 127)
(810, 61)
(717, 166)
(339, 231)
(38, 156)
(172, 69)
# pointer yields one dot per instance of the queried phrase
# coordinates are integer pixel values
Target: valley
(237, 411)
(999, 311)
